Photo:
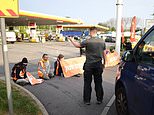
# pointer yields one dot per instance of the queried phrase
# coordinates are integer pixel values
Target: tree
(113, 29)
(102, 24)
(111, 23)
(67, 17)
(127, 22)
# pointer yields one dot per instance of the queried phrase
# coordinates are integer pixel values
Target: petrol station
(32, 19)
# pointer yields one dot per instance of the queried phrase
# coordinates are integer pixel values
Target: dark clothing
(96, 71)
(94, 49)
(17, 70)
(128, 46)
(59, 68)
(93, 66)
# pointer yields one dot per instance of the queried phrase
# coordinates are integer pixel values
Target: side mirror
(127, 56)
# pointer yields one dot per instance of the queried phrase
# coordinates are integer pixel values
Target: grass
(22, 104)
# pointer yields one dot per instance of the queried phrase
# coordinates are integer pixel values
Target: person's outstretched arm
(104, 56)
(75, 43)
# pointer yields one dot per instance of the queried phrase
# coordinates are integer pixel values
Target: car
(110, 39)
(134, 87)
(10, 37)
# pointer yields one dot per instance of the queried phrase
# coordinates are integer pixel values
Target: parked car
(134, 87)
(110, 39)
(11, 37)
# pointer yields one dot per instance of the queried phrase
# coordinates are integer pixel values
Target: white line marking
(107, 107)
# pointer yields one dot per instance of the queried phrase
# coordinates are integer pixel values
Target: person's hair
(44, 55)
(24, 60)
(112, 48)
(60, 56)
(93, 28)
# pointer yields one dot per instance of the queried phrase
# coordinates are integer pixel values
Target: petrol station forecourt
(17, 44)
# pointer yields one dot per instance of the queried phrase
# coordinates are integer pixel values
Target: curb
(40, 105)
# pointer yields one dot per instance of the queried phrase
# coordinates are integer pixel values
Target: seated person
(57, 67)
(44, 68)
(19, 72)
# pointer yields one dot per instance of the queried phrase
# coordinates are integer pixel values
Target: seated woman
(44, 68)
(19, 72)
(57, 66)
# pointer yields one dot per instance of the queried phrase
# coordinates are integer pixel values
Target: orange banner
(72, 66)
(132, 30)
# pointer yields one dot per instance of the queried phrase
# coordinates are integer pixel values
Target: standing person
(19, 72)
(57, 66)
(128, 45)
(93, 66)
(44, 68)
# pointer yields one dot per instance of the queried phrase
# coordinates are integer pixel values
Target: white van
(10, 37)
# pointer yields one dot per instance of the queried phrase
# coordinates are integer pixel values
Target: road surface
(61, 96)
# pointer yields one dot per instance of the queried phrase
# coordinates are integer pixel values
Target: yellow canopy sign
(9, 8)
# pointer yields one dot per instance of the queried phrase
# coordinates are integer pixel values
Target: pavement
(61, 96)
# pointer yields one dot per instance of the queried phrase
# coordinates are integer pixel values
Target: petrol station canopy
(40, 19)
(86, 26)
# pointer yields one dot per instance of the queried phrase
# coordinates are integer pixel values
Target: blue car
(134, 87)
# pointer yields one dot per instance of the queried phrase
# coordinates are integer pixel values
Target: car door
(144, 78)
(129, 71)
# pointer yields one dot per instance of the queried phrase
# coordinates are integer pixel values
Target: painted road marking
(107, 107)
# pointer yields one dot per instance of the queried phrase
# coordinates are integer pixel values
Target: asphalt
(61, 96)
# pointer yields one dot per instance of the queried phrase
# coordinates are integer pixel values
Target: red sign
(31, 24)
(132, 30)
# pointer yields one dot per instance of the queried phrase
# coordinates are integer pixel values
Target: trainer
(93, 65)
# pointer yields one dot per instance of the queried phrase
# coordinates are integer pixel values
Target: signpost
(8, 9)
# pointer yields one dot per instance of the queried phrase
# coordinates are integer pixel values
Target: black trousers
(89, 72)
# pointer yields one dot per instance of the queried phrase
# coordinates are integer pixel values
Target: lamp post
(119, 5)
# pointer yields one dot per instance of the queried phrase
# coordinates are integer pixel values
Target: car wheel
(121, 102)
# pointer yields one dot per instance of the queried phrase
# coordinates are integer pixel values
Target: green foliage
(112, 29)
(22, 104)
(47, 27)
(103, 24)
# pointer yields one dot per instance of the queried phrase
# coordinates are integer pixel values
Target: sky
(89, 11)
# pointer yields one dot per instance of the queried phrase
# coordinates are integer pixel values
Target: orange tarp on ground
(33, 80)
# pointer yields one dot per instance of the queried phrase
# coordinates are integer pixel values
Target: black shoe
(99, 102)
(87, 103)
(50, 75)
